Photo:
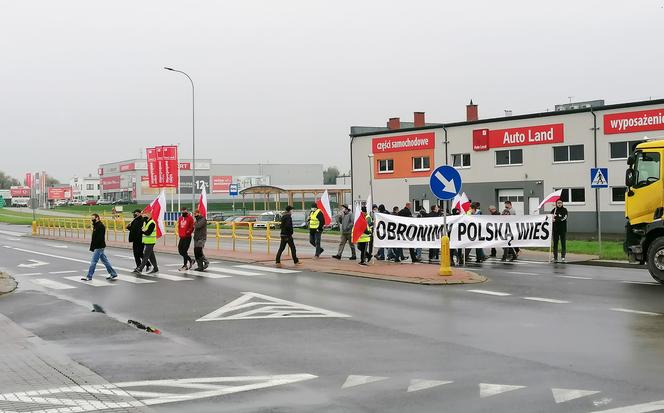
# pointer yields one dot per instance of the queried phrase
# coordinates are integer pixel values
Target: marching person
(97, 245)
(395, 253)
(363, 241)
(185, 231)
(345, 220)
(316, 223)
(493, 211)
(434, 253)
(200, 237)
(508, 251)
(136, 237)
(559, 230)
(287, 236)
(149, 235)
(405, 212)
(380, 254)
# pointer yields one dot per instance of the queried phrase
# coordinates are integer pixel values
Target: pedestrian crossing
(125, 275)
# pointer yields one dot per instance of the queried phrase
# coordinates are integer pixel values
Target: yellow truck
(644, 207)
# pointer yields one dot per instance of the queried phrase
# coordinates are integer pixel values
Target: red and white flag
(360, 223)
(323, 203)
(552, 197)
(202, 203)
(461, 203)
(157, 209)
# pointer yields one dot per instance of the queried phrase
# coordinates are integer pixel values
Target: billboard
(110, 182)
(19, 191)
(59, 193)
(221, 183)
(163, 166)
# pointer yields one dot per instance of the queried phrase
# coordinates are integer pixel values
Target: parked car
(242, 220)
(121, 202)
(268, 218)
(216, 216)
(104, 202)
(90, 202)
(299, 219)
(60, 202)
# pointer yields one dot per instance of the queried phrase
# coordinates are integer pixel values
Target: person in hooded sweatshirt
(559, 230)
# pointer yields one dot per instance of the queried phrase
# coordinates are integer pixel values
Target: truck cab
(644, 207)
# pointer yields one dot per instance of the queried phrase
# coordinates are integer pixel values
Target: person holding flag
(362, 233)
(200, 233)
(152, 230)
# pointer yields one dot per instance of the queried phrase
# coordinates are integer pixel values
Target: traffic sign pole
(445, 183)
(445, 264)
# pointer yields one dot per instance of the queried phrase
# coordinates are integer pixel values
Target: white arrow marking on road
(264, 306)
(488, 390)
(637, 408)
(35, 263)
(353, 381)
(268, 269)
(565, 395)
(419, 384)
(448, 186)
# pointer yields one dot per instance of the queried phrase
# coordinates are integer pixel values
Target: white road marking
(12, 233)
(352, 380)
(51, 255)
(35, 263)
(56, 246)
(120, 395)
(13, 239)
(627, 310)
(133, 279)
(129, 257)
(31, 273)
(546, 300)
(254, 305)
(574, 277)
(637, 408)
(52, 284)
(267, 269)
(522, 273)
(641, 282)
(488, 390)
(487, 292)
(62, 272)
(201, 274)
(173, 265)
(419, 384)
(565, 395)
(167, 277)
(94, 282)
(232, 271)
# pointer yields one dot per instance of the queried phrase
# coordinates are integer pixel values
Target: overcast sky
(282, 81)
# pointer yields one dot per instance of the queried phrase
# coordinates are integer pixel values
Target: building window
(568, 153)
(509, 157)
(461, 160)
(618, 194)
(385, 166)
(621, 150)
(90, 187)
(511, 198)
(573, 195)
(421, 163)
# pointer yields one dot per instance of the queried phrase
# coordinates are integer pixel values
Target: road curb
(7, 283)
(610, 264)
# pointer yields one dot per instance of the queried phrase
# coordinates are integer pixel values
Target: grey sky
(282, 81)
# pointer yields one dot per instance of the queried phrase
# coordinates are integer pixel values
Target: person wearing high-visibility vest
(363, 241)
(149, 233)
(316, 222)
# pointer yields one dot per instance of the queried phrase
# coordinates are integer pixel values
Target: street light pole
(371, 165)
(193, 139)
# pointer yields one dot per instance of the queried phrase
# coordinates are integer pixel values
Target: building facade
(85, 188)
(128, 180)
(518, 158)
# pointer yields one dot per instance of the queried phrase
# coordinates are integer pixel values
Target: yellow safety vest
(152, 238)
(314, 223)
(366, 237)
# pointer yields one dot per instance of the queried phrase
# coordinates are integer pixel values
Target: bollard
(34, 228)
(251, 236)
(233, 234)
(267, 236)
(445, 256)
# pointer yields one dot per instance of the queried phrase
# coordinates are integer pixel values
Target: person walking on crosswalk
(149, 234)
(136, 237)
(97, 246)
(287, 236)
(200, 237)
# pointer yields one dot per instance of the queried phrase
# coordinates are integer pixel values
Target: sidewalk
(36, 376)
(402, 272)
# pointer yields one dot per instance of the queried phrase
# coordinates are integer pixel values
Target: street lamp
(193, 139)
(371, 165)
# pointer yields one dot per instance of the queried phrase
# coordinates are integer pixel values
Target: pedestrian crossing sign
(599, 177)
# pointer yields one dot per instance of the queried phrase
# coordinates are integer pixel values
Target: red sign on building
(19, 191)
(110, 182)
(481, 140)
(527, 135)
(59, 193)
(404, 143)
(128, 167)
(185, 166)
(221, 183)
(639, 121)
(163, 166)
(100, 171)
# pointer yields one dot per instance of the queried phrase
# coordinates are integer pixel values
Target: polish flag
(158, 208)
(552, 197)
(360, 224)
(323, 203)
(461, 203)
(202, 203)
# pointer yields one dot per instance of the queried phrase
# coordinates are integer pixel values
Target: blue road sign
(233, 189)
(599, 177)
(445, 182)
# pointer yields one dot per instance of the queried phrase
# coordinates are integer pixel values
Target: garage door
(513, 195)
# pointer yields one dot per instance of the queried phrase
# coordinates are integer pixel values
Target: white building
(518, 158)
(85, 188)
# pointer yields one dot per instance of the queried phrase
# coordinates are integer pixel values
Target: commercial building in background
(85, 188)
(518, 158)
(129, 180)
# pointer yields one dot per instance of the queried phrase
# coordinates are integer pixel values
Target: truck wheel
(656, 259)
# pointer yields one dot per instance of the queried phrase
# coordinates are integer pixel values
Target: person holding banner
(559, 230)
(149, 236)
(363, 241)
(316, 222)
(405, 212)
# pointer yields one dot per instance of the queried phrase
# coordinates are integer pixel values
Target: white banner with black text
(465, 231)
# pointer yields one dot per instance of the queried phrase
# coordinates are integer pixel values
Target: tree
(330, 175)
(50, 181)
(7, 181)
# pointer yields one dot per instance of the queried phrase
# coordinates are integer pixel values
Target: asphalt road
(535, 338)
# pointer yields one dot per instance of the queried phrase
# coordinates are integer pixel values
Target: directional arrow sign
(445, 182)
(34, 264)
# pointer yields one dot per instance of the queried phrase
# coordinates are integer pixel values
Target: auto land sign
(483, 139)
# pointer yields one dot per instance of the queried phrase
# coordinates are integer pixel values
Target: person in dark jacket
(559, 230)
(287, 236)
(97, 246)
(493, 211)
(149, 236)
(434, 253)
(405, 212)
(200, 238)
(136, 237)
